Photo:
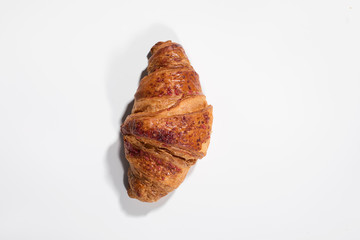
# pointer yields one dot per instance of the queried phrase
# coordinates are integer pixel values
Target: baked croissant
(169, 127)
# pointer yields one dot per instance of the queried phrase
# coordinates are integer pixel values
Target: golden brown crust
(189, 131)
(169, 83)
(167, 55)
(170, 125)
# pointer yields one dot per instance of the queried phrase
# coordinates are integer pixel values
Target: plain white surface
(284, 80)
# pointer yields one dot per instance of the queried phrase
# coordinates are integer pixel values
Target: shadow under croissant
(115, 157)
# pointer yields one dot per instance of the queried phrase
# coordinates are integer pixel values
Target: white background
(284, 80)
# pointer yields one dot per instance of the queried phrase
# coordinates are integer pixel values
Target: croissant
(169, 127)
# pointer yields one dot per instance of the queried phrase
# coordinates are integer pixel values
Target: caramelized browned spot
(154, 167)
(169, 83)
(188, 130)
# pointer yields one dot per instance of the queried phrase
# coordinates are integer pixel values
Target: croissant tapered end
(167, 55)
(170, 125)
(159, 45)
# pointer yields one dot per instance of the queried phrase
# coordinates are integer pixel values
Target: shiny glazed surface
(170, 125)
